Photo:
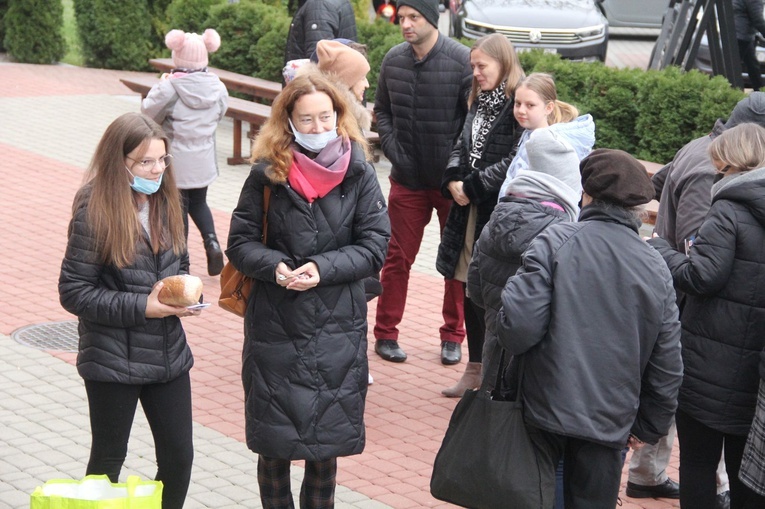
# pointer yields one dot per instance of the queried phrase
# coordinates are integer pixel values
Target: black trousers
(168, 410)
(316, 492)
(700, 450)
(591, 472)
(195, 205)
(747, 50)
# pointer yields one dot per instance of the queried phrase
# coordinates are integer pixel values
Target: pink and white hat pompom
(190, 50)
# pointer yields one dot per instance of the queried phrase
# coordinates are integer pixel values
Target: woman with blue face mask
(126, 234)
(304, 359)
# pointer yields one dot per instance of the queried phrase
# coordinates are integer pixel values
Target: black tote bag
(487, 459)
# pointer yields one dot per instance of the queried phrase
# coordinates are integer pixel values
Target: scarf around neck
(490, 104)
(314, 178)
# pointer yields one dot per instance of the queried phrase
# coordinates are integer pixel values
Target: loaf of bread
(184, 290)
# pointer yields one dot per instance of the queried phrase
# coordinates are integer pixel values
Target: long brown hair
(544, 85)
(112, 203)
(498, 47)
(273, 142)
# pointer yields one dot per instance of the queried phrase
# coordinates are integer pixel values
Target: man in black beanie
(420, 107)
(592, 314)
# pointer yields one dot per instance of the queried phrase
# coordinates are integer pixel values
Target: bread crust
(182, 291)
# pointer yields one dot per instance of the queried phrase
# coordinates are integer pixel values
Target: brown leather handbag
(235, 287)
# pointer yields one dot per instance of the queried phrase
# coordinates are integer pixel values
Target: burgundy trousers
(410, 211)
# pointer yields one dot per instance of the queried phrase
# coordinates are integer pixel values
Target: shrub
(379, 36)
(241, 26)
(3, 10)
(33, 31)
(190, 15)
(115, 34)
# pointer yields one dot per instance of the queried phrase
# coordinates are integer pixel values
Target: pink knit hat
(190, 50)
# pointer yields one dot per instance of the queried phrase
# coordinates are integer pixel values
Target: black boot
(214, 254)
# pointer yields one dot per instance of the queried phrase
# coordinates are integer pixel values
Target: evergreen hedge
(3, 10)
(33, 31)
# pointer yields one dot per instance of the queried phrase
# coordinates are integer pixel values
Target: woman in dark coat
(126, 235)
(304, 361)
(723, 321)
(490, 133)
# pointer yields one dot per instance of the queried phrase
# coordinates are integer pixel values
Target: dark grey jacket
(501, 141)
(420, 107)
(514, 223)
(593, 311)
(724, 313)
(317, 20)
(683, 189)
(117, 342)
(304, 360)
(748, 18)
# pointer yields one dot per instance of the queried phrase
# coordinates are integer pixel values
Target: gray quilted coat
(304, 360)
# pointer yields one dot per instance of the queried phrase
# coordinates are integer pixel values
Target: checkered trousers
(316, 492)
(752, 472)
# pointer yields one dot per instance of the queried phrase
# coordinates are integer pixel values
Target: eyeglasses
(148, 164)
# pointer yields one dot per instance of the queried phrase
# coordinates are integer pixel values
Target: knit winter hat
(190, 49)
(749, 109)
(616, 177)
(551, 154)
(347, 64)
(428, 8)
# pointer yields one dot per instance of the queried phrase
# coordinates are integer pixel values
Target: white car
(634, 13)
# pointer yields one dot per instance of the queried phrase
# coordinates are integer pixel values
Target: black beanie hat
(614, 176)
(428, 8)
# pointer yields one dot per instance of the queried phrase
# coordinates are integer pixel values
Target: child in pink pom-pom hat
(188, 103)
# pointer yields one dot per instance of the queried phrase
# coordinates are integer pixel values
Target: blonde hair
(273, 142)
(111, 202)
(544, 85)
(498, 47)
(742, 147)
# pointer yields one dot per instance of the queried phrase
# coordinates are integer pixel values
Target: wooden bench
(240, 110)
(256, 88)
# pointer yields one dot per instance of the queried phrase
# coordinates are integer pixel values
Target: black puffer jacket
(304, 361)
(501, 141)
(514, 223)
(117, 342)
(748, 19)
(420, 107)
(600, 362)
(317, 20)
(724, 313)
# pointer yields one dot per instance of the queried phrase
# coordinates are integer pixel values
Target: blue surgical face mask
(314, 142)
(145, 186)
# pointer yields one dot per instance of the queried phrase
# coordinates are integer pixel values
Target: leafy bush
(3, 10)
(379, 36)
(115, 34)
(241, 27)
(33, 31)
(190, 15)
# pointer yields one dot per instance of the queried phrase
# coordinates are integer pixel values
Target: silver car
(575, 29)
(634, 13)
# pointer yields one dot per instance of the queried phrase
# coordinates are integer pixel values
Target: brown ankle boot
(471, 379)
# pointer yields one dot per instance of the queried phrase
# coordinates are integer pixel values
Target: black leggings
(475, 329)
(195, 205)
(168, 409)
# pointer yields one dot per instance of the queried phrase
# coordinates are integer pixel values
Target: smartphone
(282, 277)
(201, 305)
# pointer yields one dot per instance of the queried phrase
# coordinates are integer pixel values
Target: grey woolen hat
(428, 8)
(550, 153)
(749, 109)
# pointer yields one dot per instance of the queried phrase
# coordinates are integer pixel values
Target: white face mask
(314, 142)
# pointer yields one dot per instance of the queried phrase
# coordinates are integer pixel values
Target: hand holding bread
(181, 291)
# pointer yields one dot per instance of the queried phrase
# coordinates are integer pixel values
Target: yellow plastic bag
(97, 492)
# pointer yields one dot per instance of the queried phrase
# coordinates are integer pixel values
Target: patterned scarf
(490, 104)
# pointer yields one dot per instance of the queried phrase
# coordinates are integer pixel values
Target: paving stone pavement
(51, 118)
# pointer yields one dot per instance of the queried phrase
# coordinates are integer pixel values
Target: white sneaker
(371, 380)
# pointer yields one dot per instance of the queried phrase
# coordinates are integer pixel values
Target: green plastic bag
(97, 492)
